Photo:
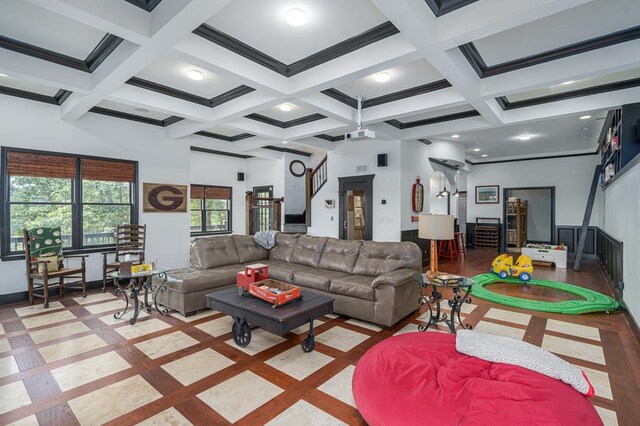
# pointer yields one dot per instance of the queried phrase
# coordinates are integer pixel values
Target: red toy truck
(255, 281)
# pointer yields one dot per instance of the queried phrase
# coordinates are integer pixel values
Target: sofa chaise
(371, 281)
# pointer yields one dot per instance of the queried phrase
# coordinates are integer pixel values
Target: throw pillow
(45, 242)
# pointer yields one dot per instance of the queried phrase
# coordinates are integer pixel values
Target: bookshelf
(516, 223)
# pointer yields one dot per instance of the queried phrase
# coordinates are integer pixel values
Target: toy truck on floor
(503, 266)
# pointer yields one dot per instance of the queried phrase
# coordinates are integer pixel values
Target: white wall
(208, 169)
(294, 186)
(34, 125)
(415, 162)
(571, 176)
(342, 162)
(620, 205)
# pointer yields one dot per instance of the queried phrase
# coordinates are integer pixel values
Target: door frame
(367, 181)
(553, 211)
(255, 212)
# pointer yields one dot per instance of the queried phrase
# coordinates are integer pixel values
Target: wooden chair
(130, 240)
(43, 279)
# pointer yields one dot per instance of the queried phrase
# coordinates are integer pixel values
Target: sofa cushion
(190, 280)
(376, 258)
(340, 255)
(285, 244)
(284, 271)
(248, 250)
(358, 286)
(318, 279)
(212, 252)
(308, 250)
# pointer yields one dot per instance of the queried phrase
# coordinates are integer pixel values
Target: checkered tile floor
(75, 364)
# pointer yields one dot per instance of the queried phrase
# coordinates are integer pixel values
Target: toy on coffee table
(503, 267)
(255, 281)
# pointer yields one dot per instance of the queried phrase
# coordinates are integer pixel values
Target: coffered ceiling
(484, 70)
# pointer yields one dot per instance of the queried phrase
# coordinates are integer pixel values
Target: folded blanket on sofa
(515, 352)
(265, 239)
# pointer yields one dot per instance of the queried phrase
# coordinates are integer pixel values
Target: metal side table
(460, 296)
(138, 282)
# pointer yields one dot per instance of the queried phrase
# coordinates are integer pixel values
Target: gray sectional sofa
(371, 281)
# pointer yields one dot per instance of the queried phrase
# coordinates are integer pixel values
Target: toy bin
(274, 292)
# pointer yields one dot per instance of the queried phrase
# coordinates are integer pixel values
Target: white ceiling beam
(314, 143)
(266, 154)
(619, 57)
(384, 54)
(24, 67)
(385, 131)
(489, 17)
(478, 161)
(246, 125)
(427, 102)
(325, 105)
(109, 76)
(603, 101)
(114, 17)
(250, 144)
(445, 128)
(314, 128)
(218, 60)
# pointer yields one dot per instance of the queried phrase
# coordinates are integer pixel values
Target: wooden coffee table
(248, 311)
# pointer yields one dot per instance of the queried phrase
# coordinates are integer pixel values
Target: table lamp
(435, 227)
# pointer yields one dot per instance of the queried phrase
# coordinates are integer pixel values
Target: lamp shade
(435, 227)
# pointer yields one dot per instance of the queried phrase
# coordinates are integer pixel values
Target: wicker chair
(39, 276)
(130, 240)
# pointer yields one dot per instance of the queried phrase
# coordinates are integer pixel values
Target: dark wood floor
(54, 404)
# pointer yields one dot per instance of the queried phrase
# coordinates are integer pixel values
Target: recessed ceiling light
(296, 17)
(584, 129)
(585, 117)
(484, 155)
(195, 75)
(382, 77)
(568, 82)
(285, 142)
(476, 149)
(285, 107)
(3, 75)
(524, 137)
(142, 110)
(455, 136)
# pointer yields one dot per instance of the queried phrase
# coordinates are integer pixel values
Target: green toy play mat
(593, 301)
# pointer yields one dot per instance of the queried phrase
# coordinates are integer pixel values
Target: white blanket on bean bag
(516, 352)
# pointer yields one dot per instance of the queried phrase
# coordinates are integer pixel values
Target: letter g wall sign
(164, 198)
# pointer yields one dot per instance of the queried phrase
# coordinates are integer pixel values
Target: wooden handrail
(320, 164)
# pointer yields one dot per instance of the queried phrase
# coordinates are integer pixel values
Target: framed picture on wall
(488, 194)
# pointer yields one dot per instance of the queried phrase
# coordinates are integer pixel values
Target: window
(86, 197)
(262, 216)
(210, 208)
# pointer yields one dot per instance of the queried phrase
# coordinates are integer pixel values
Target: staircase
(316, 179)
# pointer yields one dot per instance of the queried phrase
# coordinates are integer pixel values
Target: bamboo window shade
(108, 170)
(40, 165)
(199, 192)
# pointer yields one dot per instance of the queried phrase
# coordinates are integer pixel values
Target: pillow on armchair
(45, 243)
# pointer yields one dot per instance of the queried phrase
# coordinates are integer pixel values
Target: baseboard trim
(23, 296)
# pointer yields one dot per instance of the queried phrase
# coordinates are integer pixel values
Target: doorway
(529, 215)
(356, 207)
(262, 216)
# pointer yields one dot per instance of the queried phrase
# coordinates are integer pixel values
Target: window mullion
(76, 213)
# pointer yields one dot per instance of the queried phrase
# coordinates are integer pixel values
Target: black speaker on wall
(382, 160)
(240, 177)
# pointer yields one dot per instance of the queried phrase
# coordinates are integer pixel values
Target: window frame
(76, 204)
(203, 212)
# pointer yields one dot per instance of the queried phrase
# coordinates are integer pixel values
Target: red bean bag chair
(420, 379)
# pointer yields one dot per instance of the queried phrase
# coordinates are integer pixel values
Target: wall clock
(297, 168)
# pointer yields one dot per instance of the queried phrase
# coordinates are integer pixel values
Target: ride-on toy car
(503, 266)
